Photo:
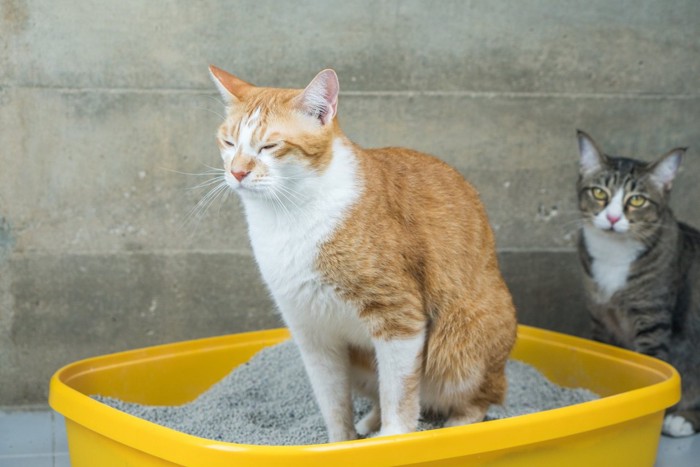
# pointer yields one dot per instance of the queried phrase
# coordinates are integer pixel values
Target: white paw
(391, 431)
(677, 426)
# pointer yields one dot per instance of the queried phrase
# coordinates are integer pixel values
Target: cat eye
(599, 194)
(228, 143)
(267, 147)
(637, 201)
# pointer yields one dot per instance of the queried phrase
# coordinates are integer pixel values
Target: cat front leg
(328, 366)
(652, 333)
(681, 423)
(366, 383)
(399, 364)
(600, 332)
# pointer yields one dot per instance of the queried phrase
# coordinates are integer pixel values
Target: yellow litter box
(620, 429)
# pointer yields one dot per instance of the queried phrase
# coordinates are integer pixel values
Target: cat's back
(422, 190)
(400, 167)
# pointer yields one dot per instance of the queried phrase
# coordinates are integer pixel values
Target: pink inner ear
(320, 98)
(590, 158)
(665, 170)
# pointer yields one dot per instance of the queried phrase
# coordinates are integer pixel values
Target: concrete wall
(104, 105)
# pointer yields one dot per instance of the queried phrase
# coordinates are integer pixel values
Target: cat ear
(591, 157)
(664, 170)
(230, 87)
(320, 98)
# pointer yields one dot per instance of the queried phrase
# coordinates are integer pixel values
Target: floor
(37, 438)
(34, 438)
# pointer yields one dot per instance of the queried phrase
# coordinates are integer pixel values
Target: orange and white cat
(381, 261)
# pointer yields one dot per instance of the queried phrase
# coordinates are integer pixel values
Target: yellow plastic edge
(418, 447)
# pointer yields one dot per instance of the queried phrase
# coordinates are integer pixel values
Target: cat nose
(240, 174)
(612, 218)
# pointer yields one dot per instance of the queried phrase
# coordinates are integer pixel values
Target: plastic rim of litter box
(662, 391)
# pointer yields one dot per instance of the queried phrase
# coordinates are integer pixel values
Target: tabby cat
(381, 261)
(642, 267)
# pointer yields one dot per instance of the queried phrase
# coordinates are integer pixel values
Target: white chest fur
(612, 256)
(286, 243)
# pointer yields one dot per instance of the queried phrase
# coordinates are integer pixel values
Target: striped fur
(381, 261)
(643, 279)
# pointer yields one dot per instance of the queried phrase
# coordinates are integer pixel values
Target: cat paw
(342, 436)
(370, 423)
(390, 432)
(677, 426)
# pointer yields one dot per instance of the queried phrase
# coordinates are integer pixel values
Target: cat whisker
(293, 193)
(222, 117)
(197, 174)
(212, 181)
(217, 100)
(283, 197)
(204, 202)
(216, 175)
(215, 169)
(297, 200)
(223, 196)
(216, 184)
(573, 222)
(278, 201)
(572, 226)
(203, 205)
(272, 201)
(290, 200)
(301, 177)
(267, 194)
(220, 190)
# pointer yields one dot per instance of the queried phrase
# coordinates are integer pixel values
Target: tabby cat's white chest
(612, 255)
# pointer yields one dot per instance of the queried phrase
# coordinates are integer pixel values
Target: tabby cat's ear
(231, 88)
(664, 170)
(591, 158)
(320, 98)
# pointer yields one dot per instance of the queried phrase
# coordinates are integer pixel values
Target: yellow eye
(637, 201)
(599, 194)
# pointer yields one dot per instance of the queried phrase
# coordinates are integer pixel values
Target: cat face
(620, 195)
(274, 138)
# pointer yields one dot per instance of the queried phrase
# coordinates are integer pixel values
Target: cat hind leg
(473, 403)
(468, 415)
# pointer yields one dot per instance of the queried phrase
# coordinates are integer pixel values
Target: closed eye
(268, 147)
(228, 143)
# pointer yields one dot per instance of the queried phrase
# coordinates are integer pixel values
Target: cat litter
(269, 401)
(167, 382)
